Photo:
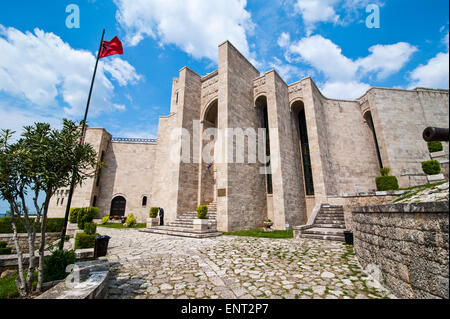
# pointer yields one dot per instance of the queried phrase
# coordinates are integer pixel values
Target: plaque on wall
(221, 192)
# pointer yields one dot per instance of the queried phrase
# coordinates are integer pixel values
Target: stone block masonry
(408, 243)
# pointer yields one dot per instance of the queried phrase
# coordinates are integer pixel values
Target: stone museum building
(321, 150)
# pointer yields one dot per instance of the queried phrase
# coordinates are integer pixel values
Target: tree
(40, 162)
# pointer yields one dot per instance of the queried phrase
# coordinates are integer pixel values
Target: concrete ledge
(93, 279)
(430, 207)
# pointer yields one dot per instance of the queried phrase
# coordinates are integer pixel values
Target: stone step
(330, 206)
(335, 225)
(165, 230)
(328, 220)
(330, 216)
(324, 231)
(324, 237)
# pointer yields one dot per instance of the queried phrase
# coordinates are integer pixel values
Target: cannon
(431, 134)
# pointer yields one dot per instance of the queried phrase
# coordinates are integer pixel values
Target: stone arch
(257, 96)
(299, 119)
(207, 170)
(118, 206)
(367, 115)
(261, 109)
(212, 103)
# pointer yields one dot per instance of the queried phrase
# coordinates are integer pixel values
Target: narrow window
(144, 201)
(307, 171)
(94, 202)
(62, 201)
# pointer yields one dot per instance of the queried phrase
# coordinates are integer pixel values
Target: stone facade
(342, 135)
(408, 244)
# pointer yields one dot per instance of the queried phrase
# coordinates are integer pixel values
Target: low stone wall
(406, 245)
(23, 240)
(350, 201)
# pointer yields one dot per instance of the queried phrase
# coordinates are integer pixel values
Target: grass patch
(260, 233)
(415, 190)
(8, 288)
(121, 226)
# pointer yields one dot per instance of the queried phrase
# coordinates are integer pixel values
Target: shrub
(3, 244)
(54, 225)
(154, 212)
(5, 251)
(55, 265)
(131, 220)
(90, 228)
(431, 167)
(83, 240)
(385, 171)
(434, 146)
(86, 215)
(386, 183)
(202, 211)
(73, 215)
(105, 220)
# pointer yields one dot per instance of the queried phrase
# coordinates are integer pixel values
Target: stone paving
(159, 266)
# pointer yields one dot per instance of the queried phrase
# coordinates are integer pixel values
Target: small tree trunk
(20, 281)
(31, 259)
(42, 247)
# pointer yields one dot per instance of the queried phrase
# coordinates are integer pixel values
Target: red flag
(111, 47)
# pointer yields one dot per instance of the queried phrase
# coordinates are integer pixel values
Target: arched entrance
(298, 111)
(261, 107)
(118, 205)
(368, 118)
(207, 167)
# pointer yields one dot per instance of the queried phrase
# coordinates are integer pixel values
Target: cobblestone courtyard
(159, 266)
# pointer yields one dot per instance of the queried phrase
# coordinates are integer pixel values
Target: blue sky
(45, 67)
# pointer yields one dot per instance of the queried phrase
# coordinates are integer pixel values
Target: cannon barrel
(435, 134)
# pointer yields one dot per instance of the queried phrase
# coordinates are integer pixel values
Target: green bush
(105, 220)
(54, 225)
(386, 183)
(73, 215)
(83, 240)
(154, 212)
(131, 220)
(434, 146)
(385, 171)
(55, 265)
(431, 167)
(90, 228)
(202, 211)
(86, 215)
(3, 244)
(5, 251)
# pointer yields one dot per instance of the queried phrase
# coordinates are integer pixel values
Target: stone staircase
(184, 225)
(329, 224)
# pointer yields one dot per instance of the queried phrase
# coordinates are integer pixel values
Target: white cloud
(286, 71)
(386, 59)
(342, 74)
(344, 90)
(314, 11)
(284, 40)
(338, 12)
(43, 70)
(325, 56)
(195, 26)
(434, 74)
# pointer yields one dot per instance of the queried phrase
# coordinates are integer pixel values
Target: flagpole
(72, 184)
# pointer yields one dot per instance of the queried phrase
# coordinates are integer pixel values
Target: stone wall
(399, 117)
(23, 241)
(408, 244)
(129, 173)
